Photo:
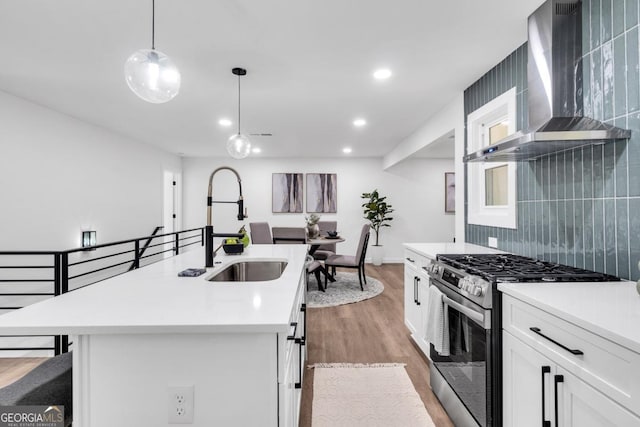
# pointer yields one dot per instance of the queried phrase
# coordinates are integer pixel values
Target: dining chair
(260, 233)
(325, 251)
(351, 261)
(289, 235)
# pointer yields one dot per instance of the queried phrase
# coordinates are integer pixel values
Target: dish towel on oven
(438, 322)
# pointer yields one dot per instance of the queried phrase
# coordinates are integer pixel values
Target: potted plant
(376, 210)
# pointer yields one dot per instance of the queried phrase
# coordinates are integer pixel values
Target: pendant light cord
(153, 24)
(238, 104)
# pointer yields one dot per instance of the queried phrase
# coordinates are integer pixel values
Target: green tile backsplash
(580, 207)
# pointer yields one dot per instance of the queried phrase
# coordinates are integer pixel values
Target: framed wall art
(449, 192)
(286, 192)
(322, 192)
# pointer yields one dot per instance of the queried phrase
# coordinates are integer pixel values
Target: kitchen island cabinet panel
(125, 378)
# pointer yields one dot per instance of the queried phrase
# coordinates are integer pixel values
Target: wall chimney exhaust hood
(554, 77)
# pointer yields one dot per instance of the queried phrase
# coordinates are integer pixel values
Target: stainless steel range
(467, 376)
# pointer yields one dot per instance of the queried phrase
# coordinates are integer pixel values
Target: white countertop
(153, 299)
(432, 249)
(608, 309)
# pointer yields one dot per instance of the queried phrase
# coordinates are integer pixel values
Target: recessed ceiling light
(346, 150)
(359, 122)
(256, 150)
(225, 122)
(382, 74)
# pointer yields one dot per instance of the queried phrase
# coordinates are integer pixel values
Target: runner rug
(354, 395)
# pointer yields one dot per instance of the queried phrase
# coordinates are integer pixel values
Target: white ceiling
(441, 148)
(309, 66)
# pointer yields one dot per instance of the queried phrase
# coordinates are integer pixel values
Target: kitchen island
(138, 336)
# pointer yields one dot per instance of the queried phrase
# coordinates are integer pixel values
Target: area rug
(354, 395)
(345, 290)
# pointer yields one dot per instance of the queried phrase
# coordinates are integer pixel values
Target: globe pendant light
(239, 145)
(150, 73)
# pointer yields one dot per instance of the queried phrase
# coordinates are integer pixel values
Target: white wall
(451, 117)
(415, 189)
(59, 175)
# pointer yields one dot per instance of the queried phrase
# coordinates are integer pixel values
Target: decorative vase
(376, 254)
(313, 231)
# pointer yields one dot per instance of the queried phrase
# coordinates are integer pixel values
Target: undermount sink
(250, 271)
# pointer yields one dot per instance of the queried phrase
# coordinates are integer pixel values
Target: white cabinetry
(293, 347)
(416, 297)
(557, 374)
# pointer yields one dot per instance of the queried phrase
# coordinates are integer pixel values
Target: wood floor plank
(370, 331)
(14, 368)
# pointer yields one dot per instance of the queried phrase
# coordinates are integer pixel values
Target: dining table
(316, 242)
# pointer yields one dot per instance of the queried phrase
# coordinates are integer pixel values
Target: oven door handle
(470, 313)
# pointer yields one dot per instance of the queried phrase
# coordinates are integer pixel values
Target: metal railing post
(136, 259)
(64, 273)
(57, 288)
(177, 242)
(62, 341)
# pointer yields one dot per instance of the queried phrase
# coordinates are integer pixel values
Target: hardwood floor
(368, 332)
(12, 369)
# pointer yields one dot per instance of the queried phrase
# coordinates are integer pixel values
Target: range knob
(477, 290)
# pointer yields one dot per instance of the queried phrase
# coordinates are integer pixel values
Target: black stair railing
(145, 246)
(27, 277)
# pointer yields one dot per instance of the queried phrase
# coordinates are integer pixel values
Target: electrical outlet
(493, 242)
(180, 405)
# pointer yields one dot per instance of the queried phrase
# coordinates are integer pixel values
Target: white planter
(376, 254)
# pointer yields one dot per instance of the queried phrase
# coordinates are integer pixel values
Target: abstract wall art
(449, 192)
(286, 192)
(322, 192)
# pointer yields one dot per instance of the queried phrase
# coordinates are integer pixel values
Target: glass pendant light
(239, 145)
(150, 73)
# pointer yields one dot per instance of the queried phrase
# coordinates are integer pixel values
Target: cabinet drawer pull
(293, 333)
(410, 260)
(298, 384)
(303, 309)
(556, 379)
(539, 332)
(545, 370)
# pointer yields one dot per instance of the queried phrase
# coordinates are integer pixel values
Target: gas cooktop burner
(516, 268)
